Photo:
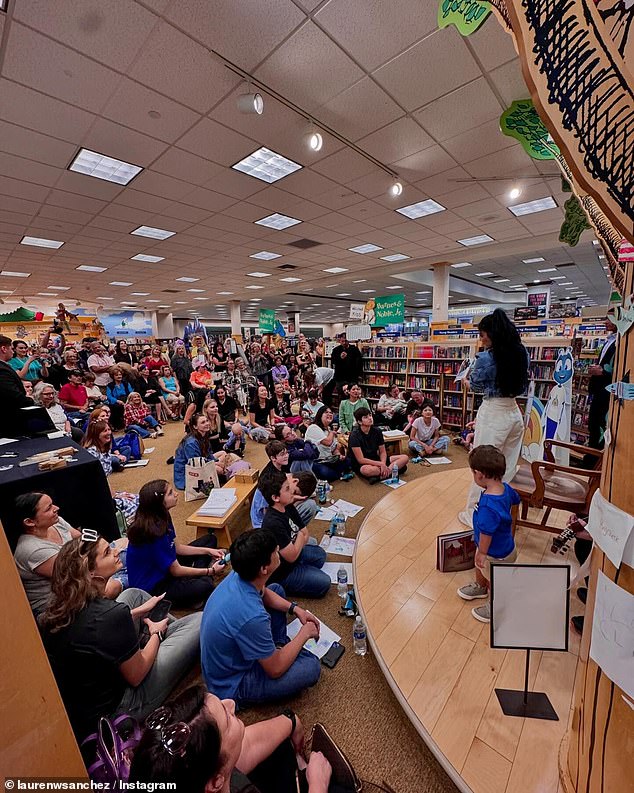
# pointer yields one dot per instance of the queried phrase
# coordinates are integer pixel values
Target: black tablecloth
(80, 490)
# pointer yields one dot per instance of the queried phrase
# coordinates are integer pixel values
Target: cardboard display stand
(529, 611)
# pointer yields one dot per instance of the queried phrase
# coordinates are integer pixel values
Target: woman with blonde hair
(45, 395)
(137, 417)
(218, 432)
(94, 644)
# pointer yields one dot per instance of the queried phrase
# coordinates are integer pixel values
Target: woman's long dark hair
(152, 519)
(201, 759)
(319, 415)
(204, 441)
(509, 354)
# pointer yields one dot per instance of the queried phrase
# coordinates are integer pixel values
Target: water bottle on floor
(322, 490)
(394, 473)
(340, 525)
(342, 583)
(358, 637)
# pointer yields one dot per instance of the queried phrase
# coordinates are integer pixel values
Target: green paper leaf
(575, 222)
(522, 122)
(466, 15)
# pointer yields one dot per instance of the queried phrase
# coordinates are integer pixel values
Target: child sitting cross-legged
(137, 417)
(237, 440)
(425, 437)
(492, 524)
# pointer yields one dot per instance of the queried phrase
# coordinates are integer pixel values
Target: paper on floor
(339, 546)
(394, 485)
(149, 449)
(136, 463)
(317, 647)
(332, 568)
(348, 509)
(438, 460)
(326, 513)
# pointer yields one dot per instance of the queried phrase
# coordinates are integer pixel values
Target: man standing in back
(347, 362)
(12, 393)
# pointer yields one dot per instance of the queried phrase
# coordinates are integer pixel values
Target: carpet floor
(353, 700)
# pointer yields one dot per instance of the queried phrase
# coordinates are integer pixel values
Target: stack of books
(219, 502)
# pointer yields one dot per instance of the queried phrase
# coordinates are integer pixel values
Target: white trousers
(499, 423)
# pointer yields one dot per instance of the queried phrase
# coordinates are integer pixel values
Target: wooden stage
(436, 656)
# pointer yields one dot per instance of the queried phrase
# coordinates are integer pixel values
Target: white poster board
(529, 606)
(612, 645)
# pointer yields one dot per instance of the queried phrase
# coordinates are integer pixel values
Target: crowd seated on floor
(96, 602)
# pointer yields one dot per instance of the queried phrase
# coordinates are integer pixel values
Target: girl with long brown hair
(93, 642)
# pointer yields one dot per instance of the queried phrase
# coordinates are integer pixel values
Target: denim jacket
(482, 377)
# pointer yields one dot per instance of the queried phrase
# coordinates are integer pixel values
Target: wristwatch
(292, 607)
(290, 714)
(161, 636)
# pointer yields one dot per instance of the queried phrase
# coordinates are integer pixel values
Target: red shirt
(135, 415)
(154, 364)
(73, 394)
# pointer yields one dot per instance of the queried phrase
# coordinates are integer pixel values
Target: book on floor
(455, 551)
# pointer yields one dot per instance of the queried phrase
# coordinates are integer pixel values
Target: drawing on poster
(612, 645)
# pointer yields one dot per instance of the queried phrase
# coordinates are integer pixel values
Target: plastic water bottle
(394, 473)
(340, 524)
(342, 583)
(358, 637)
(322, 490)
(332, 526)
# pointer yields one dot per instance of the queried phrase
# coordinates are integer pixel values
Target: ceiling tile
(24, 106)
(493, 44)
(424, 164)
(109, 32)
(309, 68)
(396, 141)
(207, 199)
(33, 145)
(509, 81)
(359, 110)
(458, 111)
(403, 76)
(174, 64)
(477, 143)
(187, 167)
(373, 31)
(27, 170)
(218, 143)
(132, 103)
(79, 183)
(123, 143)
(47, 66)
(73, 201)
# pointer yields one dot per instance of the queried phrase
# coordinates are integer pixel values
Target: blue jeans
(306, 578)
(142, 431)
(441, 445)
(332, 471)
(307, 510)
(257, 686)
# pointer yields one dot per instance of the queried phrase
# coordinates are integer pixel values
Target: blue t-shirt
(235, 633)
(258, 508)
(492, 516)
(149, 562)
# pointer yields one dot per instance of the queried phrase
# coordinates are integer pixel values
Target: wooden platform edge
(447, 767)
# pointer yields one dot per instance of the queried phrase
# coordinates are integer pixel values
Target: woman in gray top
(44, 533)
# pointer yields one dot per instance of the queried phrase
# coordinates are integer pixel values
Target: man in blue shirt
(246, 653)
(492, 524)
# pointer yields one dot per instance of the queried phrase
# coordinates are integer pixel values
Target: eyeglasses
(174, 737)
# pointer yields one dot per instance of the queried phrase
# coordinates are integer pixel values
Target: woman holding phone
(93, 643)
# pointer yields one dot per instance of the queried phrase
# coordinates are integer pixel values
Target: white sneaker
(482, 613)
(159, 431)
(473, 591)
(466, 517)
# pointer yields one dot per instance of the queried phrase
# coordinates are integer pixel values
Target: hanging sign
(466, 15)
(522, 122)
(266, 320)
(610, 527)
(356, 310)
(386, 310)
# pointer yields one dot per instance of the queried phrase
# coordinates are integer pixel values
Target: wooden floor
(436, 656)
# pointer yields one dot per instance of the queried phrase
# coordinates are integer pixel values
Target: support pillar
(440, 295)
(236, 320)
(163, 325)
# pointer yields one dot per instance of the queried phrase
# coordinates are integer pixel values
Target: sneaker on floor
(582, 594)
(159, 431)
(169, 461)
(416, 460)
(466, 518)
(482, 613)
(473, 591)
(153, 435)
(347, 477)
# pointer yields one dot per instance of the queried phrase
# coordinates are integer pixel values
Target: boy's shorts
(492, 560)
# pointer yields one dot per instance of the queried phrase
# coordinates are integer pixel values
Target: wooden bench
(238, 512)
(398, 444)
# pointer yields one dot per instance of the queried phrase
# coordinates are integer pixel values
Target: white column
(163, 325)
(236, 319)
(440, 302)
(296, 318)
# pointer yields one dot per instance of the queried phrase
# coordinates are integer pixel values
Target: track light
(251, 102)
(314, 140)
(396, 189)
(515, 193)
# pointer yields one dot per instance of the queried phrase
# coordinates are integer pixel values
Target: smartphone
(160, 611)
(333, 655)
(226, 558)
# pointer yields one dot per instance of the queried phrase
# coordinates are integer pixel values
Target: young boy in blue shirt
(492, 522)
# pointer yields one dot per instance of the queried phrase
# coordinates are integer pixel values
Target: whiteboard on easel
(530, 606)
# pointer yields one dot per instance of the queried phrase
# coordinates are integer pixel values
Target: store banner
(385, 310)
(356, 310)
(266, 320)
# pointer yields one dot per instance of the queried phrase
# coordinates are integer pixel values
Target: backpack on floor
(114, 742)
(133, 441)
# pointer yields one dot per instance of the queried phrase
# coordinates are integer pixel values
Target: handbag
(201, 477)
(344, 778)
(114, 743)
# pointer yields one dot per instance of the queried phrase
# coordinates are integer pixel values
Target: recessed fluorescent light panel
(47, 294)
(290, 279)
(501, 280)
(100, 166)
(393, 287)
(120, 283)
(259, 275)
(367, 291)
(253, 286)
(139, 294)
(108, 298)
(38, 242)
(461, 264)
(152, 233)
(548, 270)
(479, 240)
(369, 248)
(186, 279)
(534, 261)
(530, 207)
(195, 290)
(277, 221)
(225, 293)
(89, 268)
(141, 257)
(485, 273)
(266, 165)
(420, 209)
(59, 288)
(395, 257)
(559, 277)
(336, 270)
(14, 274)
(265, 255)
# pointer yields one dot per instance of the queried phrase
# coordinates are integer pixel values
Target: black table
(80, 489)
